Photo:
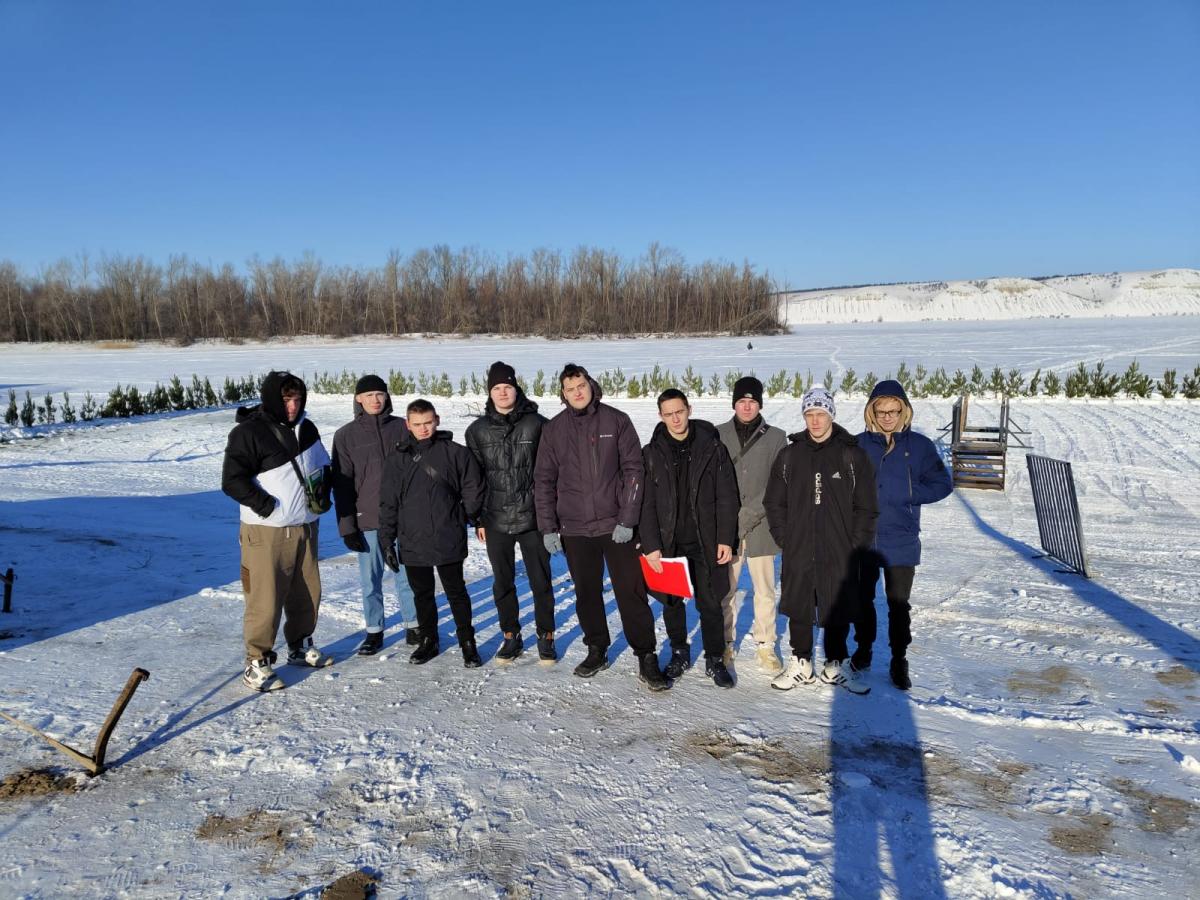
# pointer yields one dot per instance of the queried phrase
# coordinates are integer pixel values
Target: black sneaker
(412, 636)
(650, 674)
(511, 648)
(426, 650)
(899, 672)
(595, 661)
(680, 662)
(546, 650)
(716, 670)
(470, 654)
(371, 644)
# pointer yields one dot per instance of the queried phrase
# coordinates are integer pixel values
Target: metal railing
(1057, 508)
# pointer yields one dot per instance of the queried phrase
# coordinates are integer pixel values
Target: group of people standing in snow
(840, 509)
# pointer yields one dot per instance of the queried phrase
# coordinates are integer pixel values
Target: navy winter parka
(908, 476)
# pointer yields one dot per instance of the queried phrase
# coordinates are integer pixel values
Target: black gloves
(390, 559)
(355, 542)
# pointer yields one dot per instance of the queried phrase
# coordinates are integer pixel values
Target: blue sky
(827, 143)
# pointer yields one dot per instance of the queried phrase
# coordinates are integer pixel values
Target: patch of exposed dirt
(948, 774)
(766, 759)
(37, 783)
(1157, 813)
(1177, 676)
(1049, 682)
(358, 885)
(1159, 705)
(1090, 837)
(255, 831)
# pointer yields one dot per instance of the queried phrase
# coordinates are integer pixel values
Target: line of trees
(588, 291)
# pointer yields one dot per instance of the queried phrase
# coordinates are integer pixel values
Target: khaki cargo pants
(762, 575)
(280, 579)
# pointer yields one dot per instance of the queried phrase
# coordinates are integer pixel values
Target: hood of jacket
(839, 436)
(702, 432)
(888, 388)
(523, 407)
(409, 443)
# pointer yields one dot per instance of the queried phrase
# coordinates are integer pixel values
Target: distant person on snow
(432, 489)
(505, 443)
(690, 509)
(908, 474)
(277, 469)
(753, 446)
(588, 492)
(821, 508)
(360, 448)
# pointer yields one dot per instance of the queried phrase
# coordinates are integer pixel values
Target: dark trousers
(897, 585)
(708, 605)
(501, 550)
(420, 579)
(836, 632)
(586, 558)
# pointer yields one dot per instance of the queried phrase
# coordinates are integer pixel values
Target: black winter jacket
(257, 470)
(505, 446)
(359, 450)
(821, 508)
(428, 513)
(712, 497)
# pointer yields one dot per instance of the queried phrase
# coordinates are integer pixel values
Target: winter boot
(427, 649)
(650, 674)
(899, 673)
(595, 661)
(512, 647)
(799, 671)
(259, 676)
(412, 635)
(768, 660)
(714, 668)
(470, 654)
(680, 662)
(545, 645)
(840, 674)
(371, 644)
(305, 653)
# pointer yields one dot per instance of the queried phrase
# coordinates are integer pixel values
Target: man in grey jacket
(359, 450)
(753, 446)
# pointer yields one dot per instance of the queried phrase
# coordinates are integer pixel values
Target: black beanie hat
(369, 383)
(747, 386)
(501, 373)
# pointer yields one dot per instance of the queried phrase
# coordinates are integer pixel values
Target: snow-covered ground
(1049, 746)
(1167, 292)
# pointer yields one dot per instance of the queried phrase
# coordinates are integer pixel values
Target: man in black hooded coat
(505, 443)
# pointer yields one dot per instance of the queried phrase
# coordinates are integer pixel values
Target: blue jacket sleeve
(932, 482)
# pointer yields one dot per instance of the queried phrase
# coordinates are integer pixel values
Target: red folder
(674, 579)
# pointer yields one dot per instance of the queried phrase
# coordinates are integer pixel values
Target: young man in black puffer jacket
(505, 443)
(431, 491)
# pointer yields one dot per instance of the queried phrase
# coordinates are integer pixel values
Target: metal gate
(1057, 509)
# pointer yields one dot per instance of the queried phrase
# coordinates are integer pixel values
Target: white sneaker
(259, 676)
(798, 671)
(768, 659)
(308, 654)
(835, 673)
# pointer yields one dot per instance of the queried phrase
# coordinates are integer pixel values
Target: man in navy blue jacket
(909, 473)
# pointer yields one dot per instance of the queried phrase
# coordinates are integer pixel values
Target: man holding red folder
(690, 509)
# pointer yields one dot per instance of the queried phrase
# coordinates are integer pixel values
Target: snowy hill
(1168, 292)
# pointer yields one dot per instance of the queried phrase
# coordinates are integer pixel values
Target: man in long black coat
(505, 443)
(690, 509)
(431, 491)
(822, 508)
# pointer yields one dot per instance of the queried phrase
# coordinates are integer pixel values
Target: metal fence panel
(1059, 524)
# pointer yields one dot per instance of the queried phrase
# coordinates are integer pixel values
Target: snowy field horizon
(1048, 748)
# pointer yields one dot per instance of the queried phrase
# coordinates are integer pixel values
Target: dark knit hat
(369, 383)
(501, 373)
(747, 387)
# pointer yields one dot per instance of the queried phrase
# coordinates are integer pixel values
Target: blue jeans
(370, 573)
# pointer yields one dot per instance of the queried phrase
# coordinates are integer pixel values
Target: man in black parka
(821, 508)
(431, 491)
(690, 509)
(505, 443)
